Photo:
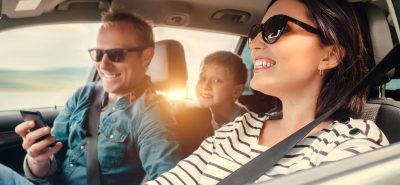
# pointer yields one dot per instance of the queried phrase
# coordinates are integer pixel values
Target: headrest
(381, 39)
(167, 69)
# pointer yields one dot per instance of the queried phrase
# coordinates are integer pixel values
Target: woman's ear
(333, 56)
(147, 55)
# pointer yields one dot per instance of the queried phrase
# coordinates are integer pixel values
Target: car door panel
(11, 151)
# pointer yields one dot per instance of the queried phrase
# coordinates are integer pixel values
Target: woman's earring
(321, 72)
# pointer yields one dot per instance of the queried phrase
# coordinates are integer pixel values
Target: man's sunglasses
(273, 28)
(115, 54)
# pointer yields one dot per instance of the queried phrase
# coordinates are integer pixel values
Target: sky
(46, 47)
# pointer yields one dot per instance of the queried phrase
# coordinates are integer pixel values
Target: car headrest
(380, 36)
(167, 69)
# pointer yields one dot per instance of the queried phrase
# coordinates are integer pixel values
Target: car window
(42, 66)
(246, 56)
(393, 84)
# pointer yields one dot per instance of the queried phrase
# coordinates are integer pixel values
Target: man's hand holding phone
(37, 142)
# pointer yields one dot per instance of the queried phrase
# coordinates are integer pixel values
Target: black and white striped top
(236, 143)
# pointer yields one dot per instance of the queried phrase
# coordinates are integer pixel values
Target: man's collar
(131, 97)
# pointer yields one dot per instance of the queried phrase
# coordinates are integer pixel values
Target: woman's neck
(298, 109)
(299, 106)
(298, 112)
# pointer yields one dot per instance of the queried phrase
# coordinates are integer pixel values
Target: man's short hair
(145, 30)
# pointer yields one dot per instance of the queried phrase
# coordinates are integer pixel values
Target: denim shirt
(134, 139)
(8, 176)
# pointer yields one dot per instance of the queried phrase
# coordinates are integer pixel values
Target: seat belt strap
(255, 168)
(93, 121)
(92, 162)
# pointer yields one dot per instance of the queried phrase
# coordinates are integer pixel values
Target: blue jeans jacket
(135, 138)
(10, 177)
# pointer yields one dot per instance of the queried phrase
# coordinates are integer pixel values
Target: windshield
(42, 66)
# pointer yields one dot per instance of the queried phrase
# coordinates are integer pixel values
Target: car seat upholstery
(168, 72)
(385, 112)
(167, 69)
(380, 37)
(194, 125)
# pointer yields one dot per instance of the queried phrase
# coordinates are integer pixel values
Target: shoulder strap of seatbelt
(260, 164)
(93, 120)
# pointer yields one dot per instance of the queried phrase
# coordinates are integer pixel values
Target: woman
(222, 79)
(308, 58)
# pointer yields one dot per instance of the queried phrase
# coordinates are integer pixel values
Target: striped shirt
(236, 143)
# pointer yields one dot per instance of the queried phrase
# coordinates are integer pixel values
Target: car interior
(384, 111)
(170, 66)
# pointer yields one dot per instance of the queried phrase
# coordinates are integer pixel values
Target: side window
(393, 89)
(246, 56)
(42, 66)
(394, 84)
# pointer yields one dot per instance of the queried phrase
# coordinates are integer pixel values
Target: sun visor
(27, 8)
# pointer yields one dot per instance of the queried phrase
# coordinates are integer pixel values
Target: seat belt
(93, 120)
(255, 168)
(92, 162)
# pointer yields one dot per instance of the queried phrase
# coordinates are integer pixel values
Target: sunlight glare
(175, 94)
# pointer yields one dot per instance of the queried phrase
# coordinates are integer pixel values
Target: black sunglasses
(273, 28)
(115, 54)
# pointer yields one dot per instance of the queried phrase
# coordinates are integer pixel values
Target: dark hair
(145, 30)
(230, 61)
(341, 28)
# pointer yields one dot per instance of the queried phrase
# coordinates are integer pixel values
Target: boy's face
(216, 86)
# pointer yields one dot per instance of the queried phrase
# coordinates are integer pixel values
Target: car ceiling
(227, 16)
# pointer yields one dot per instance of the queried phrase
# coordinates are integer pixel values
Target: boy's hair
(230, 61)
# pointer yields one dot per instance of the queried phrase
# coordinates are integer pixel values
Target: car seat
(167, 69)
(168, 72)
(385, 112)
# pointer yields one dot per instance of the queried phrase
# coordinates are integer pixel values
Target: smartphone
(37, 117)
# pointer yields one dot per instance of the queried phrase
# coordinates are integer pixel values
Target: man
(135, 130)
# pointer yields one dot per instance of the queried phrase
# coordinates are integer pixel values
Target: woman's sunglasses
(115, 54)
(273, 28)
